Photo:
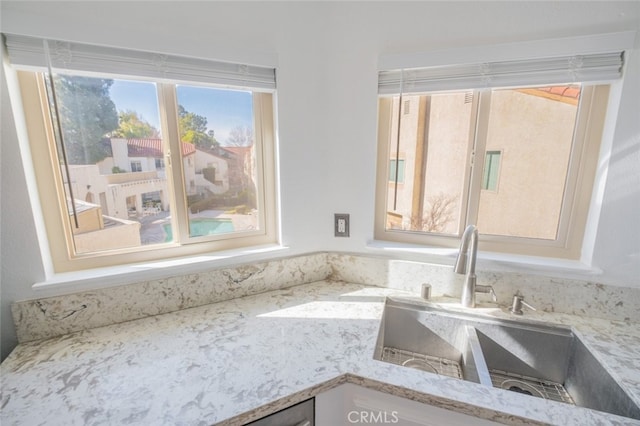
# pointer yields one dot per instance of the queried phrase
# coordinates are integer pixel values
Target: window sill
(492, 261)
(91, 279)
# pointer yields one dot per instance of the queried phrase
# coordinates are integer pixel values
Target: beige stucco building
(112, 195)
(527, 142)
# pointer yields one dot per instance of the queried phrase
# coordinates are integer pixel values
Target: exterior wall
(127, 234)
(106, 166)
(85, 180)
(447, 155)
(147, 164)
(88, 221)
(204, 160)
(533, 164)
(116, 188)
(120, 152)
(447, 120)
(119, 193)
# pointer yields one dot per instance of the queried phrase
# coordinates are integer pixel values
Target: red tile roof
(566, 91)
(569, 94)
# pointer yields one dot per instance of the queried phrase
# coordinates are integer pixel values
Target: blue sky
(223, 108)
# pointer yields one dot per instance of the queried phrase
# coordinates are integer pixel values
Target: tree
(193, 129)
(133, 126)
(86, 114)
(437, 215)
(240, 136)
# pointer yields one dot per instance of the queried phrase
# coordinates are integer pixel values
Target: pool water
(202, 227)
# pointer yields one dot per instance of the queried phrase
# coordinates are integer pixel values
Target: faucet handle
(487, 289)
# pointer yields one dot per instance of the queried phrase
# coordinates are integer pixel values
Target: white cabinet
(297, 415)
(354, 405)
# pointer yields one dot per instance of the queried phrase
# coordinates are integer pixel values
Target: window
(517, 161)
(145, 143)
(490, 172)
(396, 171)
(136, 166)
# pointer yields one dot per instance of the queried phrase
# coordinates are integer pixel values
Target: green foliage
(193, 129)
(86, 114)
(209, 173)
(132, 126)
(116, 169)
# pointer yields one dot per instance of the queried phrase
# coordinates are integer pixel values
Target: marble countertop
(235, 361)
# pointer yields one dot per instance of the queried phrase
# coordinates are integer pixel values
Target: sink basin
(540, 360)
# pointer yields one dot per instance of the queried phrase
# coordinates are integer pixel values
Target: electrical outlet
(341, 225)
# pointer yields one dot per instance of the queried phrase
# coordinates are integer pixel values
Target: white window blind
(601, 67)
(29, 52)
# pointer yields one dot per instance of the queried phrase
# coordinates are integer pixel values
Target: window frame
(137, 164)
(49, 181)
(585, 149)
(486, 173)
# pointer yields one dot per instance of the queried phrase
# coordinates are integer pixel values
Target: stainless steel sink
(533, 359)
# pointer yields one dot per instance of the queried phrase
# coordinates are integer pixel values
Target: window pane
(490, 172)
(396, 173)
(434, 143)
(533, 128)
(220, 170)
(116, 197)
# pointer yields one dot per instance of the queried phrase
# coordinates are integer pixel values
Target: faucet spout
(466, 264)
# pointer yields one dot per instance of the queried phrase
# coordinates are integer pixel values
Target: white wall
(19, 252)
(327, 55)
(617, 248)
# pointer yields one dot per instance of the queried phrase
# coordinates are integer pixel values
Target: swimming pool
(203, 226)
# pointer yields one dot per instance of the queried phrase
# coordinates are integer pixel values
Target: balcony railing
(131, 177)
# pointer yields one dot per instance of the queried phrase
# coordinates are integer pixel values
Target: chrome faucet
(466, 264)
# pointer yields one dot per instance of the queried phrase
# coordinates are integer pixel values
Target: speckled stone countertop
(238, 360)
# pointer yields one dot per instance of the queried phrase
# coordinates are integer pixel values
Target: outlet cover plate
(341, 225)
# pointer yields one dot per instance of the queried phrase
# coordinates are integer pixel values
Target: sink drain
(530, 386)
(520, 387)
